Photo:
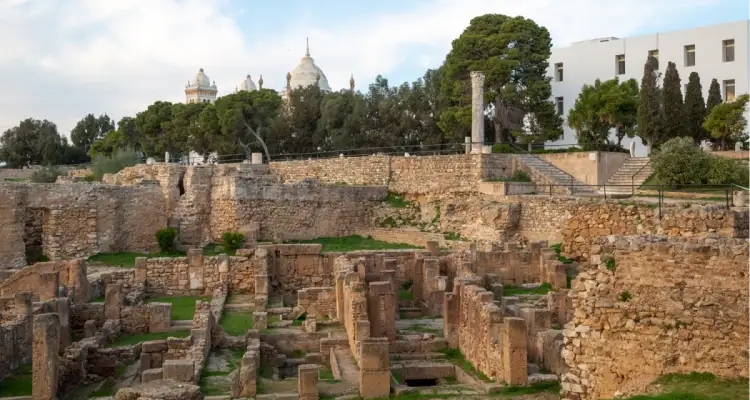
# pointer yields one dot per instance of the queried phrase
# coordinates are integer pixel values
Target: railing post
(727, 198)
(660, 195)
(605, 191)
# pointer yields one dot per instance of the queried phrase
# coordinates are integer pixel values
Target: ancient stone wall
(413, 175)
(44, 279)
(77, 220)
(495, 345)
(653, 305)
(351, 301)
(318, 302)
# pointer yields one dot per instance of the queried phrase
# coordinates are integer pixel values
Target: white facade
(708, 49)
(200, 89)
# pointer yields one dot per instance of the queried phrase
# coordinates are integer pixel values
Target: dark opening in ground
(420, 382)
(181, 185)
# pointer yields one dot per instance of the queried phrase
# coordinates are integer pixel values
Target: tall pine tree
(714, 96)
(673, 107)
(695, 109)
(649, 109)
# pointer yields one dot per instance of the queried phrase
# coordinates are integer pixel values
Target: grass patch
(537, 387)
(354, 242)
(126, 259)
(397, 200)
(698, 386)
(18, 383)
(325, 374)
(405, 294)
(128, 340)
(299, 320)
(398, 377)
(236, 322)
(183, 307)
(455, 356)
(544, 288)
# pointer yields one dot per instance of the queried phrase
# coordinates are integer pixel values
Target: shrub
(113, 164)
(46, 175)
(232, 241)
(520, 176)
(625, 296)
(680, 162)
(166, 238)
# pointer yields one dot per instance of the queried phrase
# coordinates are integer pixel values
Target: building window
(655, 55)
(728, 50)
(559, 72)
(620, 64)
(729, 90)
(560, 105)
(690, 55)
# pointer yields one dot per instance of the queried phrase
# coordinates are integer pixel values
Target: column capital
(477, 77)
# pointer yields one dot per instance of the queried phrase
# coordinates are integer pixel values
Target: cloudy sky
(62, 59)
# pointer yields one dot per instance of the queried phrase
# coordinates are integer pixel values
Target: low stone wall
(495, 345)
(44, 279)
(652, 305)
(506, 188)
(318, 302)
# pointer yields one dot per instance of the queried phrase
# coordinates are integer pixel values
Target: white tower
(200, 89)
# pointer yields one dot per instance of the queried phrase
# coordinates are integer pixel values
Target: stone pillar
(79, 282)
(451, 305)
(340, 298)
(381, 309)
(261, 279)
(62, 307)
(477, 111)
(49, 284)
(256, 158)
(374, 369)
(260, 320)
(46, 362)
(433, 247)
(140, 270)
(23, 303)
(739, 198)
(307, 382)
(467, 144)
(514, 351)
(195, 271)
(113, 300)
(89, 328)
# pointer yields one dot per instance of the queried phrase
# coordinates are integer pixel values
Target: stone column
(261, 279)
(62, 307)
(46, 362)
(477, 111)
(113, 301)
(374, 369)
(514, 351)
(195, 271)
(307, 382)
(467, 144)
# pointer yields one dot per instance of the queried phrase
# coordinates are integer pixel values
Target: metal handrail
(572, 178)
(632, 178)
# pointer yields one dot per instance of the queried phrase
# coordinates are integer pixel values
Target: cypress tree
(649, 108)
(695, 109)
(672, 105)
(714, 96)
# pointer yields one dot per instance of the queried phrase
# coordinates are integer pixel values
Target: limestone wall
(43, 280)
(79, 220)
(412, 175)
(590, 167)
(351, 301)
(318, 302)
(661, 305)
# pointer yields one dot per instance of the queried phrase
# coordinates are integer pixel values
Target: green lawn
(128, 339)
(183, 307)
(698, 386)
(354, 242)
(18, 383)
(126, 259)
(236, 322)
(405, 294)
(544, 288)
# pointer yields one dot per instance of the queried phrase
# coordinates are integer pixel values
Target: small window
(655, 55)
(560, 105)
(620, 64)
(559, 72)
(690, 55)
(729, 90)
(729, 50)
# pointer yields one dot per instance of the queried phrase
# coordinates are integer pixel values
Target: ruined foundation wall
(663, 305)
(78, 220)
(351, 301)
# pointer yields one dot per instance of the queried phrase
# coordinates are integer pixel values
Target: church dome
(307, 74)
(201, 81)
(247, 85)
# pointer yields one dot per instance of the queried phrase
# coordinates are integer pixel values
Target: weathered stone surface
(165, 389)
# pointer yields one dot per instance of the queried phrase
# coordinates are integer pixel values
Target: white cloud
(62, 59)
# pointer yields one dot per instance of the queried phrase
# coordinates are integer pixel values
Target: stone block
(179, 370)
(62, 307)
(154, 346)
(89, 328)
(113, 301)
(307, 382)
(153, 374)
(160, 317)
(374, 384)
(260, 320)
(145, 361)
(433, 247)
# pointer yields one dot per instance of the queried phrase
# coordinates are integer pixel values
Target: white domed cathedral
(307, 73)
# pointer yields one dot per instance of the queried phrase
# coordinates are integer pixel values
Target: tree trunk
(500, 132)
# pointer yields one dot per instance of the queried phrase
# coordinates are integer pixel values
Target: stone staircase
(556, 176)
(631, 175)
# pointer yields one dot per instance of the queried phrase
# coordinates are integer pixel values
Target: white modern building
(718, 51)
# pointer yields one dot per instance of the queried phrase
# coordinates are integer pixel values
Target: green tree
(586, 115)
(154, 124)
(185, 125)
(714, 96)
(341, 121)
(89, 129)
(206, 139)
(726, 123)
(649, 107)
(32, 142)
(673, 107)
(235, 112)
(126, 136)
(621, 109)
(513, 53)
(695, 109)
